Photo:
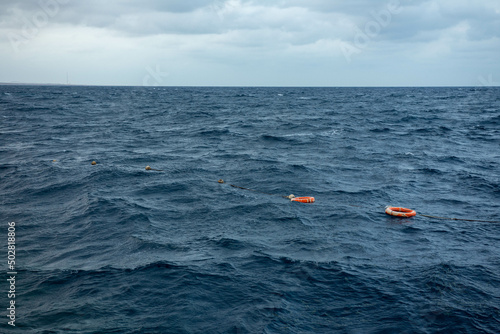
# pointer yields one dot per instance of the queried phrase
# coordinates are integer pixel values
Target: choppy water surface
(113, 248)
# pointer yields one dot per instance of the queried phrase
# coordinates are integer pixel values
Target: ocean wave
(115, 248)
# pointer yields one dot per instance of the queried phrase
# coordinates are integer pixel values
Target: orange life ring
(400, 212)
(303, 199)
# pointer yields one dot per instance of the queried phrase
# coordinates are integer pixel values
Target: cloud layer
(244, 42)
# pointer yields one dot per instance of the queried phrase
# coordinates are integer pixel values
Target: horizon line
(234, 86)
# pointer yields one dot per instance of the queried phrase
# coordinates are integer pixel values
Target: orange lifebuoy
(400, 212)
(303, 199)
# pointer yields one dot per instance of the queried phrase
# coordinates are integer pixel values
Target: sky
(251, 42)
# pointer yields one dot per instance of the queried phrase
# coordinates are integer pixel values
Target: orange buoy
(400, 212)
(303, 199)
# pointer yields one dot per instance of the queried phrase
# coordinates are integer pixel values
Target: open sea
(116, 248)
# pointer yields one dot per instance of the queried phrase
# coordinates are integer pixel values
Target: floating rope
(290, 197)
(395, 211)
(461, 219)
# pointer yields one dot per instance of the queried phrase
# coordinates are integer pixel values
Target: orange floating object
(400, 212)
(303, 199)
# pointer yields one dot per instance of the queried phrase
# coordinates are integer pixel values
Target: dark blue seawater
(113, 248)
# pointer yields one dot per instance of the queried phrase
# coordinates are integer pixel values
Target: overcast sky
(251, 42)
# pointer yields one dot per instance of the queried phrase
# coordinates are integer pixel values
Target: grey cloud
(100, 14)
(230, 33)
(322, 18)
(421, 21)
